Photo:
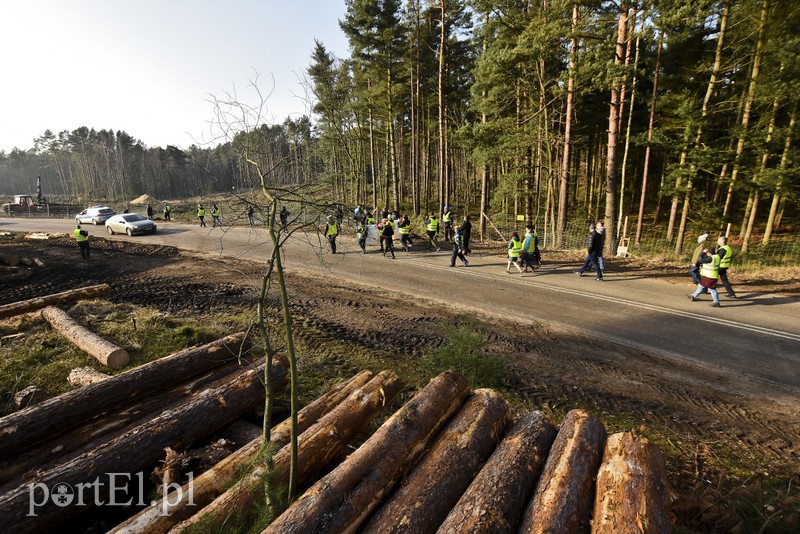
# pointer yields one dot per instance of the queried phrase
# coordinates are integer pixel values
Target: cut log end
(118, 359)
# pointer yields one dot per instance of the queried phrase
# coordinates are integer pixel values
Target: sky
(149, 67)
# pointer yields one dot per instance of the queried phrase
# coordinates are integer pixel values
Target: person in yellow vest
(167, 212)
(331, 231)
(404, 226)
(387, 231)
(215, 216)
(201, 214)
(432, 228)
(514, 252)
(725, 257)
(82, 238)
(709, 274)
(529, 249)
(447, 221)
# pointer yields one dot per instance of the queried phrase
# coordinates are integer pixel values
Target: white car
(131, 224)
(95, 215)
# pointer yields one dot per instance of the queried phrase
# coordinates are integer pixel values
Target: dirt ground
(733, 447)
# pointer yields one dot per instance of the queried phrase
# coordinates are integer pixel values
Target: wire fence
(782, 251)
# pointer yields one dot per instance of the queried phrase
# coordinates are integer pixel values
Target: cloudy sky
(149, 67)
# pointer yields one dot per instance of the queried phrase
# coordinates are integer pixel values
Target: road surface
(756, 336)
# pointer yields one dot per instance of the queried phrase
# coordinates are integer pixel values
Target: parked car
(130, 223)
(95, 215)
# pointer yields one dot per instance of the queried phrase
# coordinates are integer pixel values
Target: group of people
(524, 254)
(710, 265)
(594, 256)
(215, 215)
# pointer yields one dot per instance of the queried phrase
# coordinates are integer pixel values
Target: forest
(665, 118)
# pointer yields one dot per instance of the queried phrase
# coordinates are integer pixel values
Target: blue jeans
(591, 259)
(700, 289)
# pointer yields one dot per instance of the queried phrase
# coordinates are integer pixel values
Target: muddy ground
(733, 447)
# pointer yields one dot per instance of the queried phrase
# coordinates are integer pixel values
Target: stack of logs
(450, 460)
(59, 457)
(13, 267)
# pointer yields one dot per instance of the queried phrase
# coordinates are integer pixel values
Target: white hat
(702, 238)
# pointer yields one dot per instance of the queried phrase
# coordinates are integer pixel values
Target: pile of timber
(60, 457)
(15, 267)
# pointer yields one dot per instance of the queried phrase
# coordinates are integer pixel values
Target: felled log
(100, 349)
(163, 515)
(344, 498)
(29, 396)
(84, 376)
(25, 306)
(8, 269)
(28, 262)
(11, 259)
(436, 484)
(317, 447)
(39, 263)
(495, 500)
(241, 432)
(135, 451)
(13, 277)
(632, 491)
(91, 435)
(21, 430)
(565, 493)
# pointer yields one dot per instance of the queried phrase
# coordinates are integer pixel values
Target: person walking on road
(361, 236)
(404, 226)
(250, 212)
(215, 216)
(387, 232)
(458, 248)
(466, 232)
(331, 231)
(709, 274)
(593, 246)
(284, 216)
(529, 249)
(149, 211)
(725, 257)
(514, 252)
(447, 220)
(694, 268)
(601, 244)
(167, 212)
(432, 227)
(82, 238)
(201, 214)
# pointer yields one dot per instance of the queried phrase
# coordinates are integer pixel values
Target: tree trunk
(85, 376)
(613, 133)
(25, 306)
(175, 507)
(564, 502)
(643, 197)
(748, 104)
(318, 446)
(494, 501)
(428, 494)
(563, 190)
(138, 450)
(341, 500)
(626, 150)
(9, 269)
(632, 491)
(11, 259)
(100, 349)
(93, 434)
(22, 430)
(787, 146)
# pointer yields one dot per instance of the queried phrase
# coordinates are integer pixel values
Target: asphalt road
(756, 336)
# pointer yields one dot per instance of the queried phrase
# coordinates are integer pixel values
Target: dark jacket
(595, 243)
(601, 241)
(466, 229)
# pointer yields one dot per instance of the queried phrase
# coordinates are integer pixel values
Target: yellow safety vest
(725, 262)
(514, 248)
(201, 212)
(711, 270)
(446, 217)
(215, 213)
(433, 224)
(332, 230)
(78, 236)
(531, 243)
(404, 228)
